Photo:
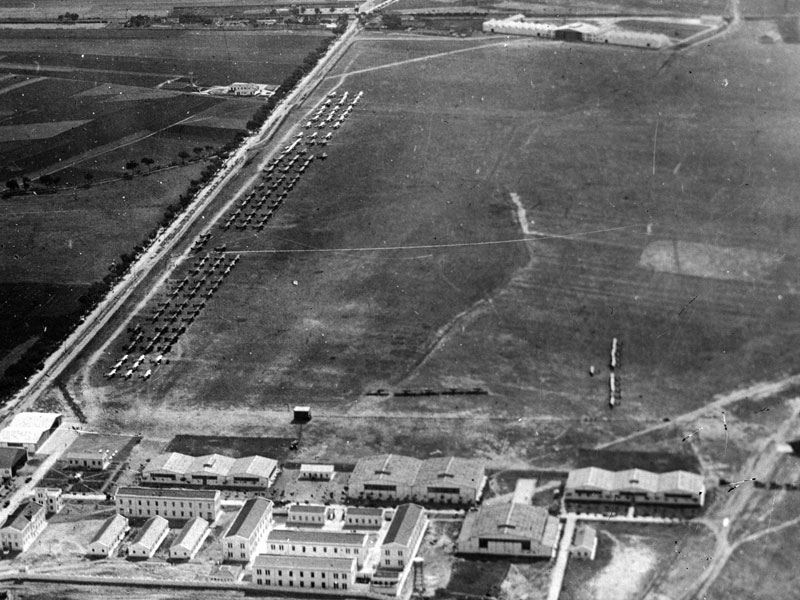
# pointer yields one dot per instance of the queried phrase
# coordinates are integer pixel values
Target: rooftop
(304, 536)
(507, 521)
(91, 443)
(191, 533)
(386, 467)
(152, 530)
(309, 468)
(403, 524)
(34, 420)
(585, 537)
(451, 470)
(168, 493)
(249, 516)
(364, 512)
(278, 561)
(171, 462)
(681, 482)
(107, 534)
(23, 515)
(314, 509)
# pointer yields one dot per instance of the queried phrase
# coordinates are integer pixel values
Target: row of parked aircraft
(179, 307)
(282, 173)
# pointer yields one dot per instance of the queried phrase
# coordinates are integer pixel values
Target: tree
(26, 182)
(392, 21)
(149, 162)
(88, 177)
(46, 180)
(12, 185)
(198, 150)
(183, 155)
(131, 165)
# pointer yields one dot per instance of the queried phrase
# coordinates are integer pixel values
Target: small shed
(316, 472)
(585, 543)
(302, 414)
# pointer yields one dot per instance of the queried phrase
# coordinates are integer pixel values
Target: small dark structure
(302, 414)
(11, 460)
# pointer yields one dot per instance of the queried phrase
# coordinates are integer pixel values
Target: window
(386, 552)
(399, 553)
(266, 572)
(258, 571)
(388, 562)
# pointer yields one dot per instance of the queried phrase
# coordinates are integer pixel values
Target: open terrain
(491, 215)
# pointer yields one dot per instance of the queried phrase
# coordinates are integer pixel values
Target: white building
(243, 89)
(168, 503)
(51, 498)
(296, 572)
(29, 430)
(450, 480)
(189, 539)
(212, 470)
(384, 476)
(403, 537)
(317, 472)
(364, 518)
(149, 538)
(91, 451)
(248, 531)
(23, 526)
(108, 537)
(585, 543)
(318, 544)
(308, 514)
(511, 529)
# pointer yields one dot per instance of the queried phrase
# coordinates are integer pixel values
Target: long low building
(149, 538)
(246, 534)
(444, 480)
(108, 537)
(678, 494)
(29, 430)
(211, 470)
(319, 544)
(189, 539)
(513, 529)
(277, 572)
(168, 503)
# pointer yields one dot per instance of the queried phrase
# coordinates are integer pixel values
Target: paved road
(557, 576)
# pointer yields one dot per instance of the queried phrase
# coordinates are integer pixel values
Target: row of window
(166, 503)
(280, 548)
(336, 585)
(322, 574)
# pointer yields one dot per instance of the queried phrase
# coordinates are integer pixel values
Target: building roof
(385, 468)
(101, 445)
(309, 468)
(11, 457)
(23, 515)
(591, 478)
(313, 536)
(169, 462)
(403, 523)
(168, 493)
(279, 561)
(151, 532)
(314, 509)
(259, 466)
(41, 421)
(109, 530)
(585, 538)
(357, 511)
(635, 480)
(191, 533)
(451, 471)
(210, 465)
(28, 427)
(619, 460)
(249, 517)
(680, 482)
(507, 521)
(216, 465)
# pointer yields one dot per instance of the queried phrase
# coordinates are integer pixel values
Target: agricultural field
(574, 7)
(148, 57)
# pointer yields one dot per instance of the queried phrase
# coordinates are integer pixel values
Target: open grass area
(572, 7)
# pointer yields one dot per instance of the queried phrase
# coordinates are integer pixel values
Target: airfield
(491, 214)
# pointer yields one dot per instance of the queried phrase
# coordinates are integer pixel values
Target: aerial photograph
(399, 299)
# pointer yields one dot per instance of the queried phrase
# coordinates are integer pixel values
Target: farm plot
(212, 57)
